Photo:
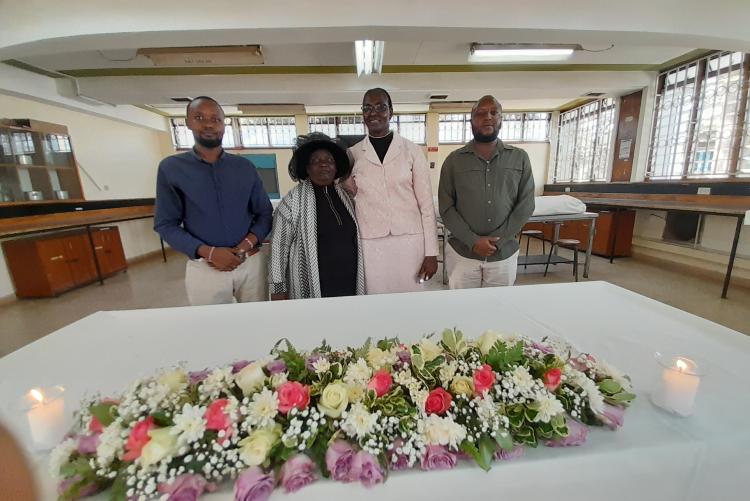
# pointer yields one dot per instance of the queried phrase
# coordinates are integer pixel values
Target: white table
(654, 456)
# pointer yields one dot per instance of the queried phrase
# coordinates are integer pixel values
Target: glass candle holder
(44, 409)
(677, 385)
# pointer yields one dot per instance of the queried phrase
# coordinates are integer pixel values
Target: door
(80, 258)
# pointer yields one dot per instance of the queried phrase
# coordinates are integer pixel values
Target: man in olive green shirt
(486, 195)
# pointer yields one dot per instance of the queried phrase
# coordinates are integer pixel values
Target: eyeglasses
(378, 108)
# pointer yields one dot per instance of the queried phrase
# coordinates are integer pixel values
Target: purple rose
(253, 485)
(239, 365)
(196, 377)
(187, 487)
(311, 360)
(339, 459)
(612, 416)
(297, 472)
(366, 468)
(577, 434)
(404, 357)
(398, 461)
(85, 491)
(437, 457)
(542, 347)
(516, 452)
(276, 366)
(87, 444)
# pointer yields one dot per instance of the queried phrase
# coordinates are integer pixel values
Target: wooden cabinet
(109, 251)
(608, 224)
(48, 265)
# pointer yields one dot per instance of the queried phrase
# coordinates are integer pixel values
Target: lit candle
(46, 416)
(679, 384)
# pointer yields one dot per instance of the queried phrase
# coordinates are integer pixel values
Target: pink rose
(87, 444)
(612, 416)
(552, 379)
(253, 485)
(138, 438)
(339, 459)
(381, 382)
(293, 395)
(516, 452)
(437, 457)
(438, 401)
(217, 419)
(297, 472)
(187, 487)
(577, 434)
(367, 469)
(484, 379)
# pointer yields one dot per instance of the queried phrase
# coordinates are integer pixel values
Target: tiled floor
(153, 284)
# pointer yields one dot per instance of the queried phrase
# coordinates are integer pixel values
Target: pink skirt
(392, 263)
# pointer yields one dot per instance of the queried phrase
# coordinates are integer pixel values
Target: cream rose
(334, 399)
(487, 340)
(163, 443)
(175, 380)
(251, 378)
(430, 350)
(255, 448)
(462, 385)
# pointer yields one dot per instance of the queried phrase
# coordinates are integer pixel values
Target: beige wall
(121, 158)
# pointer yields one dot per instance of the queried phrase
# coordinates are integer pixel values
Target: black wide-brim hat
(308, 144)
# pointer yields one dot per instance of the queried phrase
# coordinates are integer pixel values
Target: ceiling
(309, 57)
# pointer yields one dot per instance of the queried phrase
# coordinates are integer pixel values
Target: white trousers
(248, 282)
(465, 273)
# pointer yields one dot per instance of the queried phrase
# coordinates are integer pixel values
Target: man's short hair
(202, 98)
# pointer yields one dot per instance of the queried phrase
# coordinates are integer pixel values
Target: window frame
(467, 127)
(738, 141)
(236, 132)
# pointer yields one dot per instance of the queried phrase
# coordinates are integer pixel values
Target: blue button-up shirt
(215, 204)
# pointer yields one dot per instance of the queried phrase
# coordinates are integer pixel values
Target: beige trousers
(465, 273)
(248, 282)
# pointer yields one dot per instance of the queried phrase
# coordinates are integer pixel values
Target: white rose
(162, 444)
(487, 340)
(334, 399)
(255, 448)
(251, 378)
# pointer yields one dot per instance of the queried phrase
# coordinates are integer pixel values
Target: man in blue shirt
(212, 206)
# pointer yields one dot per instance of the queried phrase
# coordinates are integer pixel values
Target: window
(23, 143)
(271, 132)
(700, 127)
(59, 143)
(517, 127)
(412, 127)
(584, 143)
(243, 132)
(332, 126)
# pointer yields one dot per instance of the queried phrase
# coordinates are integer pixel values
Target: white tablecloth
(655, 456)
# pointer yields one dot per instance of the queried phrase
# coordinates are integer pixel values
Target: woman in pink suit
(393, 203)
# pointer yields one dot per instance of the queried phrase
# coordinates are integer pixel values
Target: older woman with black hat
(315, 249)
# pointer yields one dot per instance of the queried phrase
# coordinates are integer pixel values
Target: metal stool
(529, 234)
(568, 243)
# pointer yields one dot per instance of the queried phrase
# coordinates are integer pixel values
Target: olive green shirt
(486, 198)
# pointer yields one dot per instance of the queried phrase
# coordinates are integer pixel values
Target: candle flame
(37, 395)
(681, 365)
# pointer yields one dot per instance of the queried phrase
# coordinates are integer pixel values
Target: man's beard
(485, 138)
(209, 143)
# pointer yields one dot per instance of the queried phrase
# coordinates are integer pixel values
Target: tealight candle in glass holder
(678, 384)
(45, 415)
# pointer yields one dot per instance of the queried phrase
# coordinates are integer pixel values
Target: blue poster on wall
(266, 165)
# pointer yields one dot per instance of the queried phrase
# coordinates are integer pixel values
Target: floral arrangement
(351, 415)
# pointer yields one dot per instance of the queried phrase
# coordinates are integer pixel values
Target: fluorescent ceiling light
(513, 53)
(369, 56)
(235, 55)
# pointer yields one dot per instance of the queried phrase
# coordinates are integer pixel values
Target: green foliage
(502, 357)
